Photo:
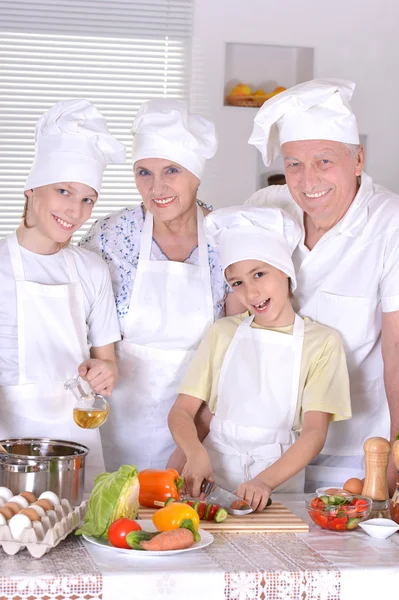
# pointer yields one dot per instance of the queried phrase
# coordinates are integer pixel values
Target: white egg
(5, 493)
(20, 500)
(53, 498)
(40, 511)
(3, 520)
(17, 524)
(2, 501)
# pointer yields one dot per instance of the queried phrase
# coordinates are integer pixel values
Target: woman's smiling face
(57, 210)
(168, 190)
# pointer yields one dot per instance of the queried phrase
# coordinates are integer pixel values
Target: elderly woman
(347, 259)
(168, 284)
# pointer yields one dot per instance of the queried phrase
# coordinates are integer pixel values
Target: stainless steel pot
(38, 465)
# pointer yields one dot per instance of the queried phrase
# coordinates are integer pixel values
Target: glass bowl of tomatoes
(338, 513)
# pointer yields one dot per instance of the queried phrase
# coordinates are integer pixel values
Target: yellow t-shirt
(324, 381)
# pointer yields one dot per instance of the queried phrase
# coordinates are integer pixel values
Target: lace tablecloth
(319, 565)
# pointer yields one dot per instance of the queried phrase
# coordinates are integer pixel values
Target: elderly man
(347, 261)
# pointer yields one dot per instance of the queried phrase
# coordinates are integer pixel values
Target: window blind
(115, 53)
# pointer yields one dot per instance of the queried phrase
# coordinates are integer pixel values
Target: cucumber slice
(352, 523)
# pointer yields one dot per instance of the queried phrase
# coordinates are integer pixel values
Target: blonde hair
(25, 221)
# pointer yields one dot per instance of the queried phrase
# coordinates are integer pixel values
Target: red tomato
(118, 531)
(201, 510)
(361, 505)
(319, 519)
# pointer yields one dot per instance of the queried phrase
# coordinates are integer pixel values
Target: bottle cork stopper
(376, 457)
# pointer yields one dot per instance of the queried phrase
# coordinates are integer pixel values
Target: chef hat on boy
(164, 128)
(314, 110)
(266, 234)
(73, 144)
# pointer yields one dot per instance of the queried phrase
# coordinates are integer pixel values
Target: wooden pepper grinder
(376, 457)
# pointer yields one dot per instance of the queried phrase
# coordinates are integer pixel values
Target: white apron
(170, 310)
(257, 400)
(318, 282)
(52, 342)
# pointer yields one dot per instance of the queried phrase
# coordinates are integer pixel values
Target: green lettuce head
(114, 495)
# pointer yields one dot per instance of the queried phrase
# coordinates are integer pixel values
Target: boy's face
(263, 290)
(58, 210)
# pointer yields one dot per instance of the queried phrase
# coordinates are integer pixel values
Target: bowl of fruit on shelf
(338, 513)
(242, 95)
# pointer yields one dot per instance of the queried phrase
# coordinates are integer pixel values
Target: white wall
(352, 39)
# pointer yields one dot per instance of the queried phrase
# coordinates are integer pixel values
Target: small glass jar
(394, 504)
(91, 409)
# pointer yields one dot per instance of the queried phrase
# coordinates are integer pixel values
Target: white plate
(379, 528)
(147, 525)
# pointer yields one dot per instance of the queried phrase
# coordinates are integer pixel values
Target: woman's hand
(196, 469)
(100, 374)
(255, 492)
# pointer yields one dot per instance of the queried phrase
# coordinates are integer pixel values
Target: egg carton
(46, 533)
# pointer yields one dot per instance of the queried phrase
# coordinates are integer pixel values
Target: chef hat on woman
(73, 144)
(164, 128)
(314, 110)
(266, 234)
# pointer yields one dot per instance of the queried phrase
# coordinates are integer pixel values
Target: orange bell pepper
(156, 486)
(172, 516)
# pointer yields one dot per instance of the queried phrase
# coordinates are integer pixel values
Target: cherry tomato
(118, 531)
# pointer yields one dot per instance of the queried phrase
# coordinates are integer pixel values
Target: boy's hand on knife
(196, 469)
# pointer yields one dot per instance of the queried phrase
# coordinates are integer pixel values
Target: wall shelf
(265, 67)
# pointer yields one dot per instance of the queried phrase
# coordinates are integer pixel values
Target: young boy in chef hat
(267, 375)
(58, 314)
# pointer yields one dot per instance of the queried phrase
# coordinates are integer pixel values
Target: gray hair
(354, 149)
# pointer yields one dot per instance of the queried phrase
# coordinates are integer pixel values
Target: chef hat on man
(314, 110)
(163, 128)
(73, 144)
(245, 233)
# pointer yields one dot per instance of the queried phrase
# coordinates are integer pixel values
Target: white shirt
(350, 277)
(101, 318)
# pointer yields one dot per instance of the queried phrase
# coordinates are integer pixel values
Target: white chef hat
(163, 128)
(314, 110)
(245, 233)
(73, 144)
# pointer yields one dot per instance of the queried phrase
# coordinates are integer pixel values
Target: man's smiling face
(322, 177)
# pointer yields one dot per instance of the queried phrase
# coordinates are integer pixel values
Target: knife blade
(217, 495)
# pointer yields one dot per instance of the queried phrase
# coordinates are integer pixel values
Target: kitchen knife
(217, 495)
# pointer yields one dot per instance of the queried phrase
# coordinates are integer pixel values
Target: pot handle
(3, 453)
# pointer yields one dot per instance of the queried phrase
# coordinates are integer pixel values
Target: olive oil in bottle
(89, 419)
(91, 409)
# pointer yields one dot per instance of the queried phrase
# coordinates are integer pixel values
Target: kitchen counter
(320, 564)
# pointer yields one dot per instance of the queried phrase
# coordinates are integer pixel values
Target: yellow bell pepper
(172, 516)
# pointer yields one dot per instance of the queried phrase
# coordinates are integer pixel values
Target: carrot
(177, 539)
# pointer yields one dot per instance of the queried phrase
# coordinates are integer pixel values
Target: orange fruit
(241, 89)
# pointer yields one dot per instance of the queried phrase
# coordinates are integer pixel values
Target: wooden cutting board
(274, 519)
